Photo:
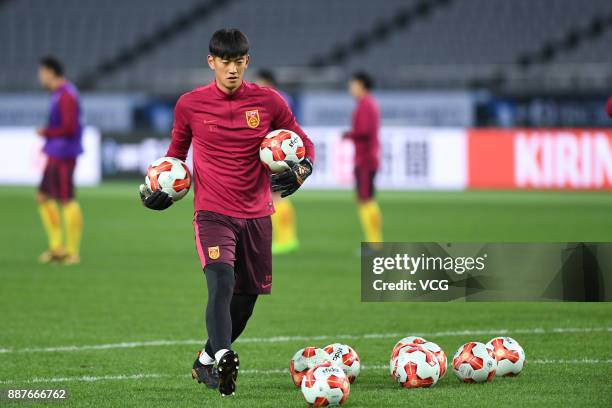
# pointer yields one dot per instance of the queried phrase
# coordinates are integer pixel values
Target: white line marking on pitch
(285, 339)
(251, 371)
(86, 378)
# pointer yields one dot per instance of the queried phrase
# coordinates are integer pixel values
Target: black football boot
(205, 374)
(227, 370)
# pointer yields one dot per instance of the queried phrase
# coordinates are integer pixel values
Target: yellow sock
(371, 221)
(50, 215)
(73, 221)
(283, 222)
(275, 224)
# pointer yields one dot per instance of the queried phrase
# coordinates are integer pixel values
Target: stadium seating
(597, 51)
(466, 38)
(472, 38)
(80, 32)
(295, 40)
(486, 31)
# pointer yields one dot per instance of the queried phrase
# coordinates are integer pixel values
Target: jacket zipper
(231, 113)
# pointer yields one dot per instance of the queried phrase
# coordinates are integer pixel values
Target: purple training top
(64, 130)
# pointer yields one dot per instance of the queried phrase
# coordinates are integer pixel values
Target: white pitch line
(286, 339)
(85, 378)
(132, 344)
(254, 371)
(572, 361)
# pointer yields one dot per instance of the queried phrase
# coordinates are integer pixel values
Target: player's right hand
(288, 181)
(155, 200)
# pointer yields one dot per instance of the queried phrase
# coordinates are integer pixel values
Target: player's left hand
(155, 200)
(40, 131)
(288, 181)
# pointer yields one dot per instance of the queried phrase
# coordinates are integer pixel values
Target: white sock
(220, 354)
(205, 358)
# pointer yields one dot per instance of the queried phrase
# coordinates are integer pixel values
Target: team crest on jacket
(252, 118)
(214, 252)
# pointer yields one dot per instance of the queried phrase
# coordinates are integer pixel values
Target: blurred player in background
(364, 134)
(284, 227)
(226, 121)
(609, 107)
(62, 147)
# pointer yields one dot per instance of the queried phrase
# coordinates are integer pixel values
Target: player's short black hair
(228, 43)
(366, 79)
(267, 75)
(53, 64)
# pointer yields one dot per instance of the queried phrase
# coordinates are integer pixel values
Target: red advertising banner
(540, 158)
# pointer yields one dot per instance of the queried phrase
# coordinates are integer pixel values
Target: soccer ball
(170, 175)
(509, 355)
(346, 358)
(416, 367)
(303, 360)
(325, 384)
(406, 341)
(439, 353)
(278, 146)
(474, 362)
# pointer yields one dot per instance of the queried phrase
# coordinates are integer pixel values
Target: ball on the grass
(303, 360)
(406, 341)
(439, 353)
(474, 362)
(325, 384)
(416, 367)
(345, 357)
(509, 355)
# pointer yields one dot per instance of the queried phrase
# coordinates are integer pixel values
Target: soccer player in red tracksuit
(225, 122)
(62, 147)
(364, 134)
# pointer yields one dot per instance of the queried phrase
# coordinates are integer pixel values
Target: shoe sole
(228, 372)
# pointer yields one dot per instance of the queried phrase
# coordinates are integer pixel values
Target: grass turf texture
(140, 280)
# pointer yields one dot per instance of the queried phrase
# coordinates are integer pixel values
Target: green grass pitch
(133, 310)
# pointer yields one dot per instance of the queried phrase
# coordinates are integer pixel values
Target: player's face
(356, 88)
(45, 77)
(229, 71)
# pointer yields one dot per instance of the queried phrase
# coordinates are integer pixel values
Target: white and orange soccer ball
(325, 384)
(509, 354)
(278, 146)
(406, 341)
(416, 367)
(474, 362)
(346, 358)
(439, 353)
(303, 360)
(170, 175)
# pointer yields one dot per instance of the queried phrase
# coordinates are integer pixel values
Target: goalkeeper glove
(155, 200)
(288, 181)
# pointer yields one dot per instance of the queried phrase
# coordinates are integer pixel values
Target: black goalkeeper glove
(155, 200)
(288, 181)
